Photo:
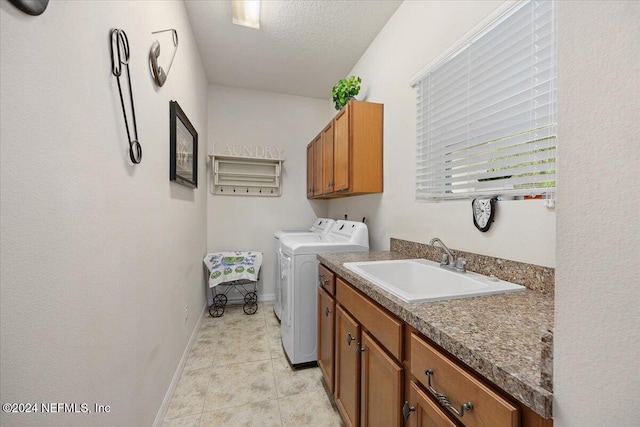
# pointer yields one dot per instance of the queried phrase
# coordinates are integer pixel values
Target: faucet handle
(460, 265)
(444, 260)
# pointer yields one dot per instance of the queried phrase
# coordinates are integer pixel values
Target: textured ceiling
(303, 47)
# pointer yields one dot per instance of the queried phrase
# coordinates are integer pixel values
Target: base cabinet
(382, 372)
(326, 336)
(368, 388)
(471, 401)
(380, 385)
(420, 411)
(347, 367)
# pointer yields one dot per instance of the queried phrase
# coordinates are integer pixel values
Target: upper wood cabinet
(352, 152)
(310, 170)
(327, 158)
(317, 165)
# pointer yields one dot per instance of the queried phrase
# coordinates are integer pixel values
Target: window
(486, 114)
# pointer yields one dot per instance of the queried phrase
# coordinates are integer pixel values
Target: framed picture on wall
(183, 164)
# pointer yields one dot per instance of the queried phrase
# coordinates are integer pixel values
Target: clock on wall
(484, 210)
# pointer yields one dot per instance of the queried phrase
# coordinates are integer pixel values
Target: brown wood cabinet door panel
(347, 367)
(381, 388)
(327, 279)
(317, 165)
(326, 336)
(425, 412)
(341, 150)
(382, 325)
(448, 378)
(366, 133)
(327, 159)
(310, 170)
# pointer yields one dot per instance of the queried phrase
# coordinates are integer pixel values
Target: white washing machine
(320, 226)
(299, 279)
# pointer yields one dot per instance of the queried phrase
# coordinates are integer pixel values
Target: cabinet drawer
(459, 387)
(327, 279)
(386, 328)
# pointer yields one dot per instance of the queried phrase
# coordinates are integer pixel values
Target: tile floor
(237, 375)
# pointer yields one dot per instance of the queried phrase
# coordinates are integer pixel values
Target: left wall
(99, 258)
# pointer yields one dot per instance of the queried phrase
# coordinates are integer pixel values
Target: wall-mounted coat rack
(245, 176)
(159, 74)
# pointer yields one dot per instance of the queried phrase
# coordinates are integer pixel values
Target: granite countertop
(499, 336)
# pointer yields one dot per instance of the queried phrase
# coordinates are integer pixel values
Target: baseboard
(162, 412)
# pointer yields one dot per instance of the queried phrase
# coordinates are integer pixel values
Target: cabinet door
(317, 165)
(347, 367)
(423, 411)
(327, 159)
(381, 388)
(341, 150)
(326, 335)
(310, 170)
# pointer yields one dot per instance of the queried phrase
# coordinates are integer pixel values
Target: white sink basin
(421, 280)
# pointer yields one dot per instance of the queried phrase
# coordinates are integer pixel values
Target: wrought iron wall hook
(120, 55)
(159, 74)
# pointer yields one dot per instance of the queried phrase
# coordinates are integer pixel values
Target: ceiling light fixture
(246, 13)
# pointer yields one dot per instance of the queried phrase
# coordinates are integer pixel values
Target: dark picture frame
(183, 146)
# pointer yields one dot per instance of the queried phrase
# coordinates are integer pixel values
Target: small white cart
(234, 270)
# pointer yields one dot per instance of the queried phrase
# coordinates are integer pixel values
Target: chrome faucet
(449, 260)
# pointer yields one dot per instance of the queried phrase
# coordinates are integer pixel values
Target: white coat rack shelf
(245, 176)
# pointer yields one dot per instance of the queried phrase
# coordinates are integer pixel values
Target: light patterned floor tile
(275, 346)
(201, 355)
(263, 414)
(238, 330)
(290, 381)
(308, 409)
(188, 421)
(238, 375)
(242, 349)
(189, 395)
(240, 384)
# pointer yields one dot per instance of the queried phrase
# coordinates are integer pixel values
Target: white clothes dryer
(320, 226)
(299, 280)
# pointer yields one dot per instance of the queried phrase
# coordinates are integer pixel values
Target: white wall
(99, 257)
(253, 118)
(597, 344)
(418, 32)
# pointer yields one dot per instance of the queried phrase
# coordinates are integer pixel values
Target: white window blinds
(486, 114)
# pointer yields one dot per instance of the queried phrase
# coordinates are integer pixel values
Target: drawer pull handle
(349, 339)
(359, 349)
(444, 400)
(407, 409)
(327, 311)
